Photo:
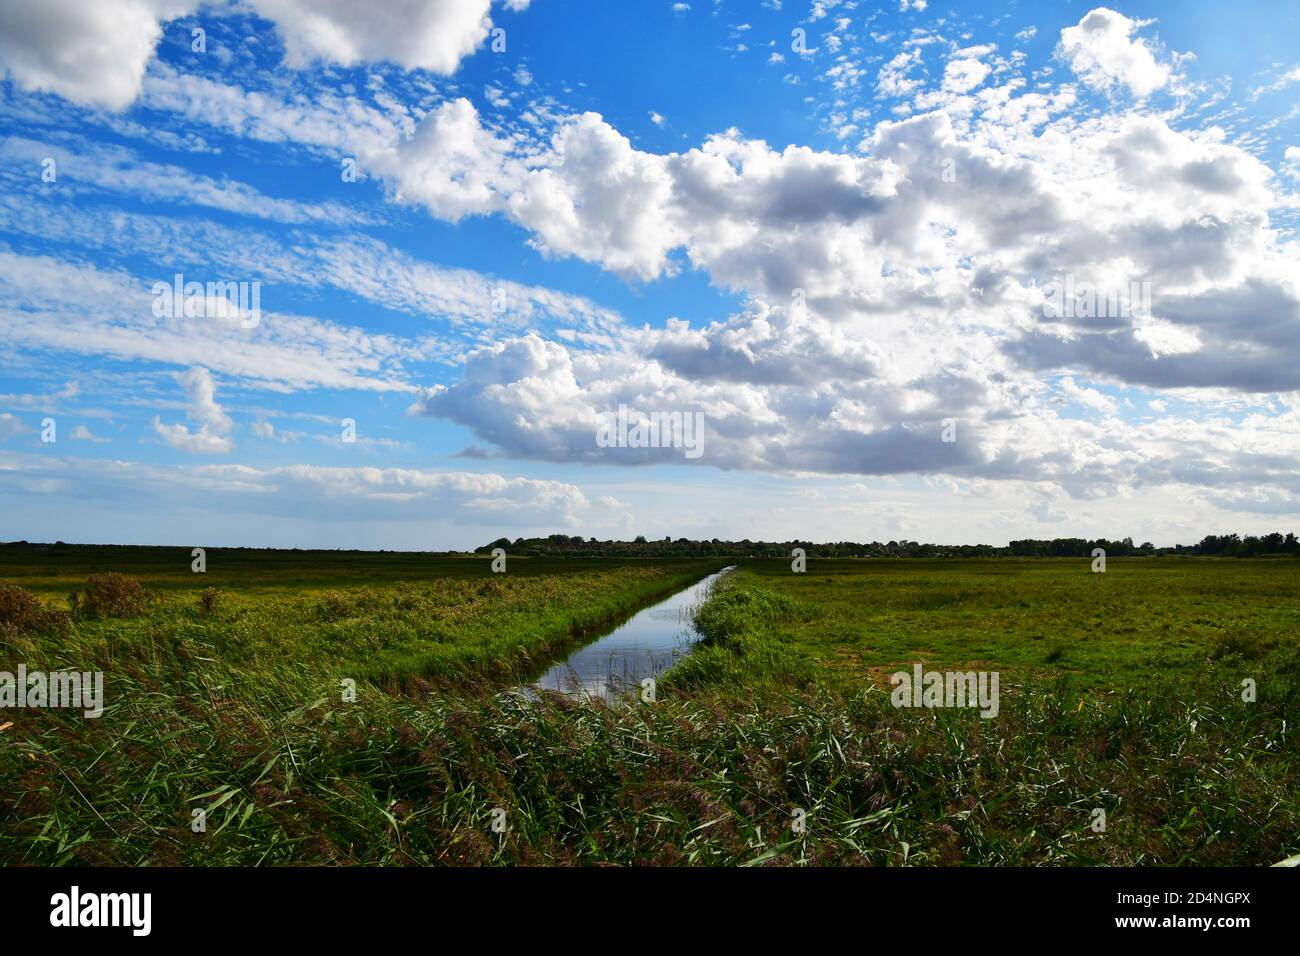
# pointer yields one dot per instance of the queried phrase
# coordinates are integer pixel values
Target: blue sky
(827, 227)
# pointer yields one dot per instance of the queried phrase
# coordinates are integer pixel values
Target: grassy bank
(392, 619)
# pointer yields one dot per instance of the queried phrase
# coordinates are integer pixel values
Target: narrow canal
(645, 645)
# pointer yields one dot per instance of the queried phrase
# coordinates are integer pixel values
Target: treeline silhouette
(1230, 545)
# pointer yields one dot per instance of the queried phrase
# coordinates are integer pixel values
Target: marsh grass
(287, 773)
(445, 622)
(235, 709)
(22, 612)
(1143, 618)
(742, 643)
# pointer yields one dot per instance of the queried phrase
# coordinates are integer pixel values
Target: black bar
(965, 905)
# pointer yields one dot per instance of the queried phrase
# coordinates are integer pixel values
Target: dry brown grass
(111, 595)
(21, 611)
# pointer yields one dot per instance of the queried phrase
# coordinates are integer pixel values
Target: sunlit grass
(1120, 693)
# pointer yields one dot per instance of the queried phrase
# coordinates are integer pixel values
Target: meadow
(1036, 619)
(386, 618)
(774, 742)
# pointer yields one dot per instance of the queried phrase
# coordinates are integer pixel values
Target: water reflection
(644, 646)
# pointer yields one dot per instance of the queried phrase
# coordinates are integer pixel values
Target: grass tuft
(111, 595)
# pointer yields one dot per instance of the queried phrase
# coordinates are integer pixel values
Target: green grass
(1120, 692)
(288, 774)
(389, 619)
(1035, 618)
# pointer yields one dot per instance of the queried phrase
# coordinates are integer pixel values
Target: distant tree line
(1231, 545)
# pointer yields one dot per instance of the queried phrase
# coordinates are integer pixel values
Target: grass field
(1121, 692)
(385, 618)
(1032, 618)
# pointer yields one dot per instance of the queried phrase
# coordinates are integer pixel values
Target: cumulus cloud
(416, 34)
(1292, 157)
(98, 53)
(885, 297)
(452, 165)
(599, 198)
(1101, 50)
(1088, 397)
(962, 76)
(965, 72)
(895, 79)
(86, 52)
(214, 425)
(589, 193)
(541, 400)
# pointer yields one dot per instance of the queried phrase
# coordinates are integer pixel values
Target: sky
(949, 272)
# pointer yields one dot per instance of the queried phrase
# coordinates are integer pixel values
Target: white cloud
(45, 401)
(82, 433)
(329, 122)
(416, 34)
(1292, 157)
(1099, 49)
(1088, 397)
(920, 293)
(898, 266)
(1286, 79)
(452, 165)
(50, 305)
(117, 169)
(10, 425)
(882, 238)
(214, 424)
(598, 198)
(316, 493)
(918, 302)
(97, 53)
(86, 52)
(964, 74)
(464, 300)
(894, 79)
